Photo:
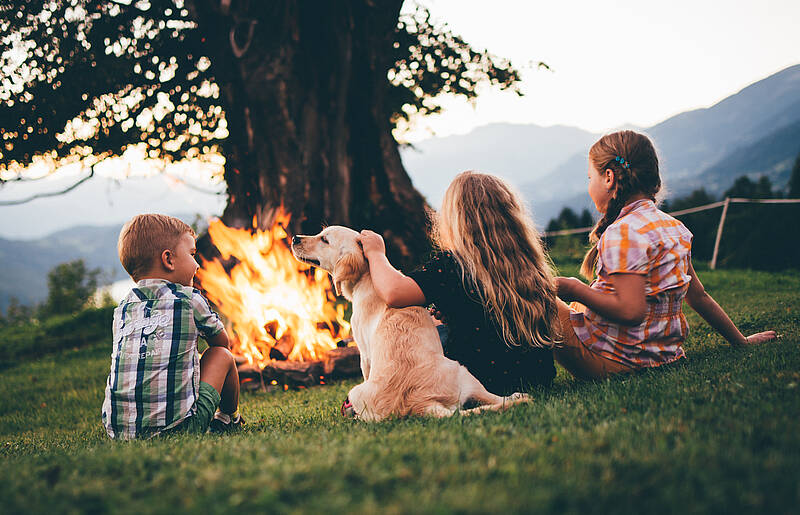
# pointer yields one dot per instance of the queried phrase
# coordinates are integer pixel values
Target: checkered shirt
(155, 365)
(642, 240)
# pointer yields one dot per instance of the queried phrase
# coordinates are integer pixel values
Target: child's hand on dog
(566, 287)
(372, 244)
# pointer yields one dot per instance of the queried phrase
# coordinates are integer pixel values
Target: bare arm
(705, 306)
(219, 340)
(626, 304)
(396, 289)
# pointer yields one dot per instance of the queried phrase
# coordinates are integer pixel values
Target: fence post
(719, 232)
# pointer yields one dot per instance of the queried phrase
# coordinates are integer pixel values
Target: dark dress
(473, 337)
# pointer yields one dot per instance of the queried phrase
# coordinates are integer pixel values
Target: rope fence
(722, 203)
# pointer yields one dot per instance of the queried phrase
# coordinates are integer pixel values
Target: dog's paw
(347, 410)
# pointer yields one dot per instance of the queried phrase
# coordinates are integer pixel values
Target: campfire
(282, 317)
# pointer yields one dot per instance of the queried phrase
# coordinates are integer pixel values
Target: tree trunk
(303, 85)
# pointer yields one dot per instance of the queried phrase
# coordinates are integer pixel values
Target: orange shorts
(579, 359)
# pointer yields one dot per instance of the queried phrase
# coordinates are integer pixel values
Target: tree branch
(192, 186)
(49, 194)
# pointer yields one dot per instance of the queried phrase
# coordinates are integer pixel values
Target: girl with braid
(630, 317)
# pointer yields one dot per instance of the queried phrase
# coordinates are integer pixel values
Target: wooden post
(719, 232)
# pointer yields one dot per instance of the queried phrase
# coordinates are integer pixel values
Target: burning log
(293, 373)
(250, 377)
(283, 347)
(342, 362)
(339, 363)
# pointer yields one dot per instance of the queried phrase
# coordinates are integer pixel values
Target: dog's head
(336, 250)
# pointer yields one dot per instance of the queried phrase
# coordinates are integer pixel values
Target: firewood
(345, 342)
(295, 374)
(342, 362)
(248, 371)
(250, 378)
(283, 347)
(338, 363)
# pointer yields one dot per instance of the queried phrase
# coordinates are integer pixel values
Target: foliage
(716, 436)
(794, 181)
(574, 245)
(430, 60)
(98, 76)
(759, 236)
(17, 313)
(744, 187)
(71, 287)
(92, 77)
(754, 235)
(36, 338)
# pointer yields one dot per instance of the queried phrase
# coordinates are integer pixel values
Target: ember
(276, 307)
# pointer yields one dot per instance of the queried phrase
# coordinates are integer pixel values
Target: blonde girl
(630, 317)
(489, 279)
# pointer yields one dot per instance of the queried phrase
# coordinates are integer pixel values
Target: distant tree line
(71, 287)
(574, 245)
(759, 236)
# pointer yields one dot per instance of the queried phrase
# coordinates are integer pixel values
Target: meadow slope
(719, 435)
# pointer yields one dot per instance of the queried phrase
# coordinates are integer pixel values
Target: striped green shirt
(155, 365)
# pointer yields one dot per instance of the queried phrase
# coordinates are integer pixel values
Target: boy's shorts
(206, 403)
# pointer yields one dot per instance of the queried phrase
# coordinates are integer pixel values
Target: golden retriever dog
(404, 368)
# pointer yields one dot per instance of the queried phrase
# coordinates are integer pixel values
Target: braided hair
(632, 158)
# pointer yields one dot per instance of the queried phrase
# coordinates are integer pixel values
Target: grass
(719, 435)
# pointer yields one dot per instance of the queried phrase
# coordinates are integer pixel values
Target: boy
(158, 383)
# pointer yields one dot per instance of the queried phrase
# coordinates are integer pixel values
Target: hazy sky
(619, 62)
(613, 63)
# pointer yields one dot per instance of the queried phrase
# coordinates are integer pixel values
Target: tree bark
(304, 88)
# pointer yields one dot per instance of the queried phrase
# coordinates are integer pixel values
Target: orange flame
(272, 302)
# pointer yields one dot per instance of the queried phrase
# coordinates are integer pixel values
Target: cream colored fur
(405, 371)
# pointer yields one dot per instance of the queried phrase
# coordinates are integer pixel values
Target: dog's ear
(349, 268)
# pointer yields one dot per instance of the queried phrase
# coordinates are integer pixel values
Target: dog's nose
(295, 240)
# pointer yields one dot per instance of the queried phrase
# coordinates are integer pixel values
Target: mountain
(772, 156)
(518, 153)
(695, 140)
(24, 263)
(754, 131)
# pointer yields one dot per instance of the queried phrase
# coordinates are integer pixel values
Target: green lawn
(720, 435)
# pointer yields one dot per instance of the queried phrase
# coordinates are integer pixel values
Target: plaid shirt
(642, 240)
(155, 366)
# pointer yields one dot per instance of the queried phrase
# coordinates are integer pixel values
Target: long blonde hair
(486, 227)
(640, 176)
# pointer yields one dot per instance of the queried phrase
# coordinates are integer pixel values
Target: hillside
(24, 264)
(518, 153)
(713, 435)
(753, 132)
(773, 156)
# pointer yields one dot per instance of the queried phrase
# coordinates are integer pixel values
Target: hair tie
(622, 162)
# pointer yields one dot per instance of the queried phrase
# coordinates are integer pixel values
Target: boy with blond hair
(158, 383)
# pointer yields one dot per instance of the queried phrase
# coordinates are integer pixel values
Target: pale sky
(613, 63)
(618, 62)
